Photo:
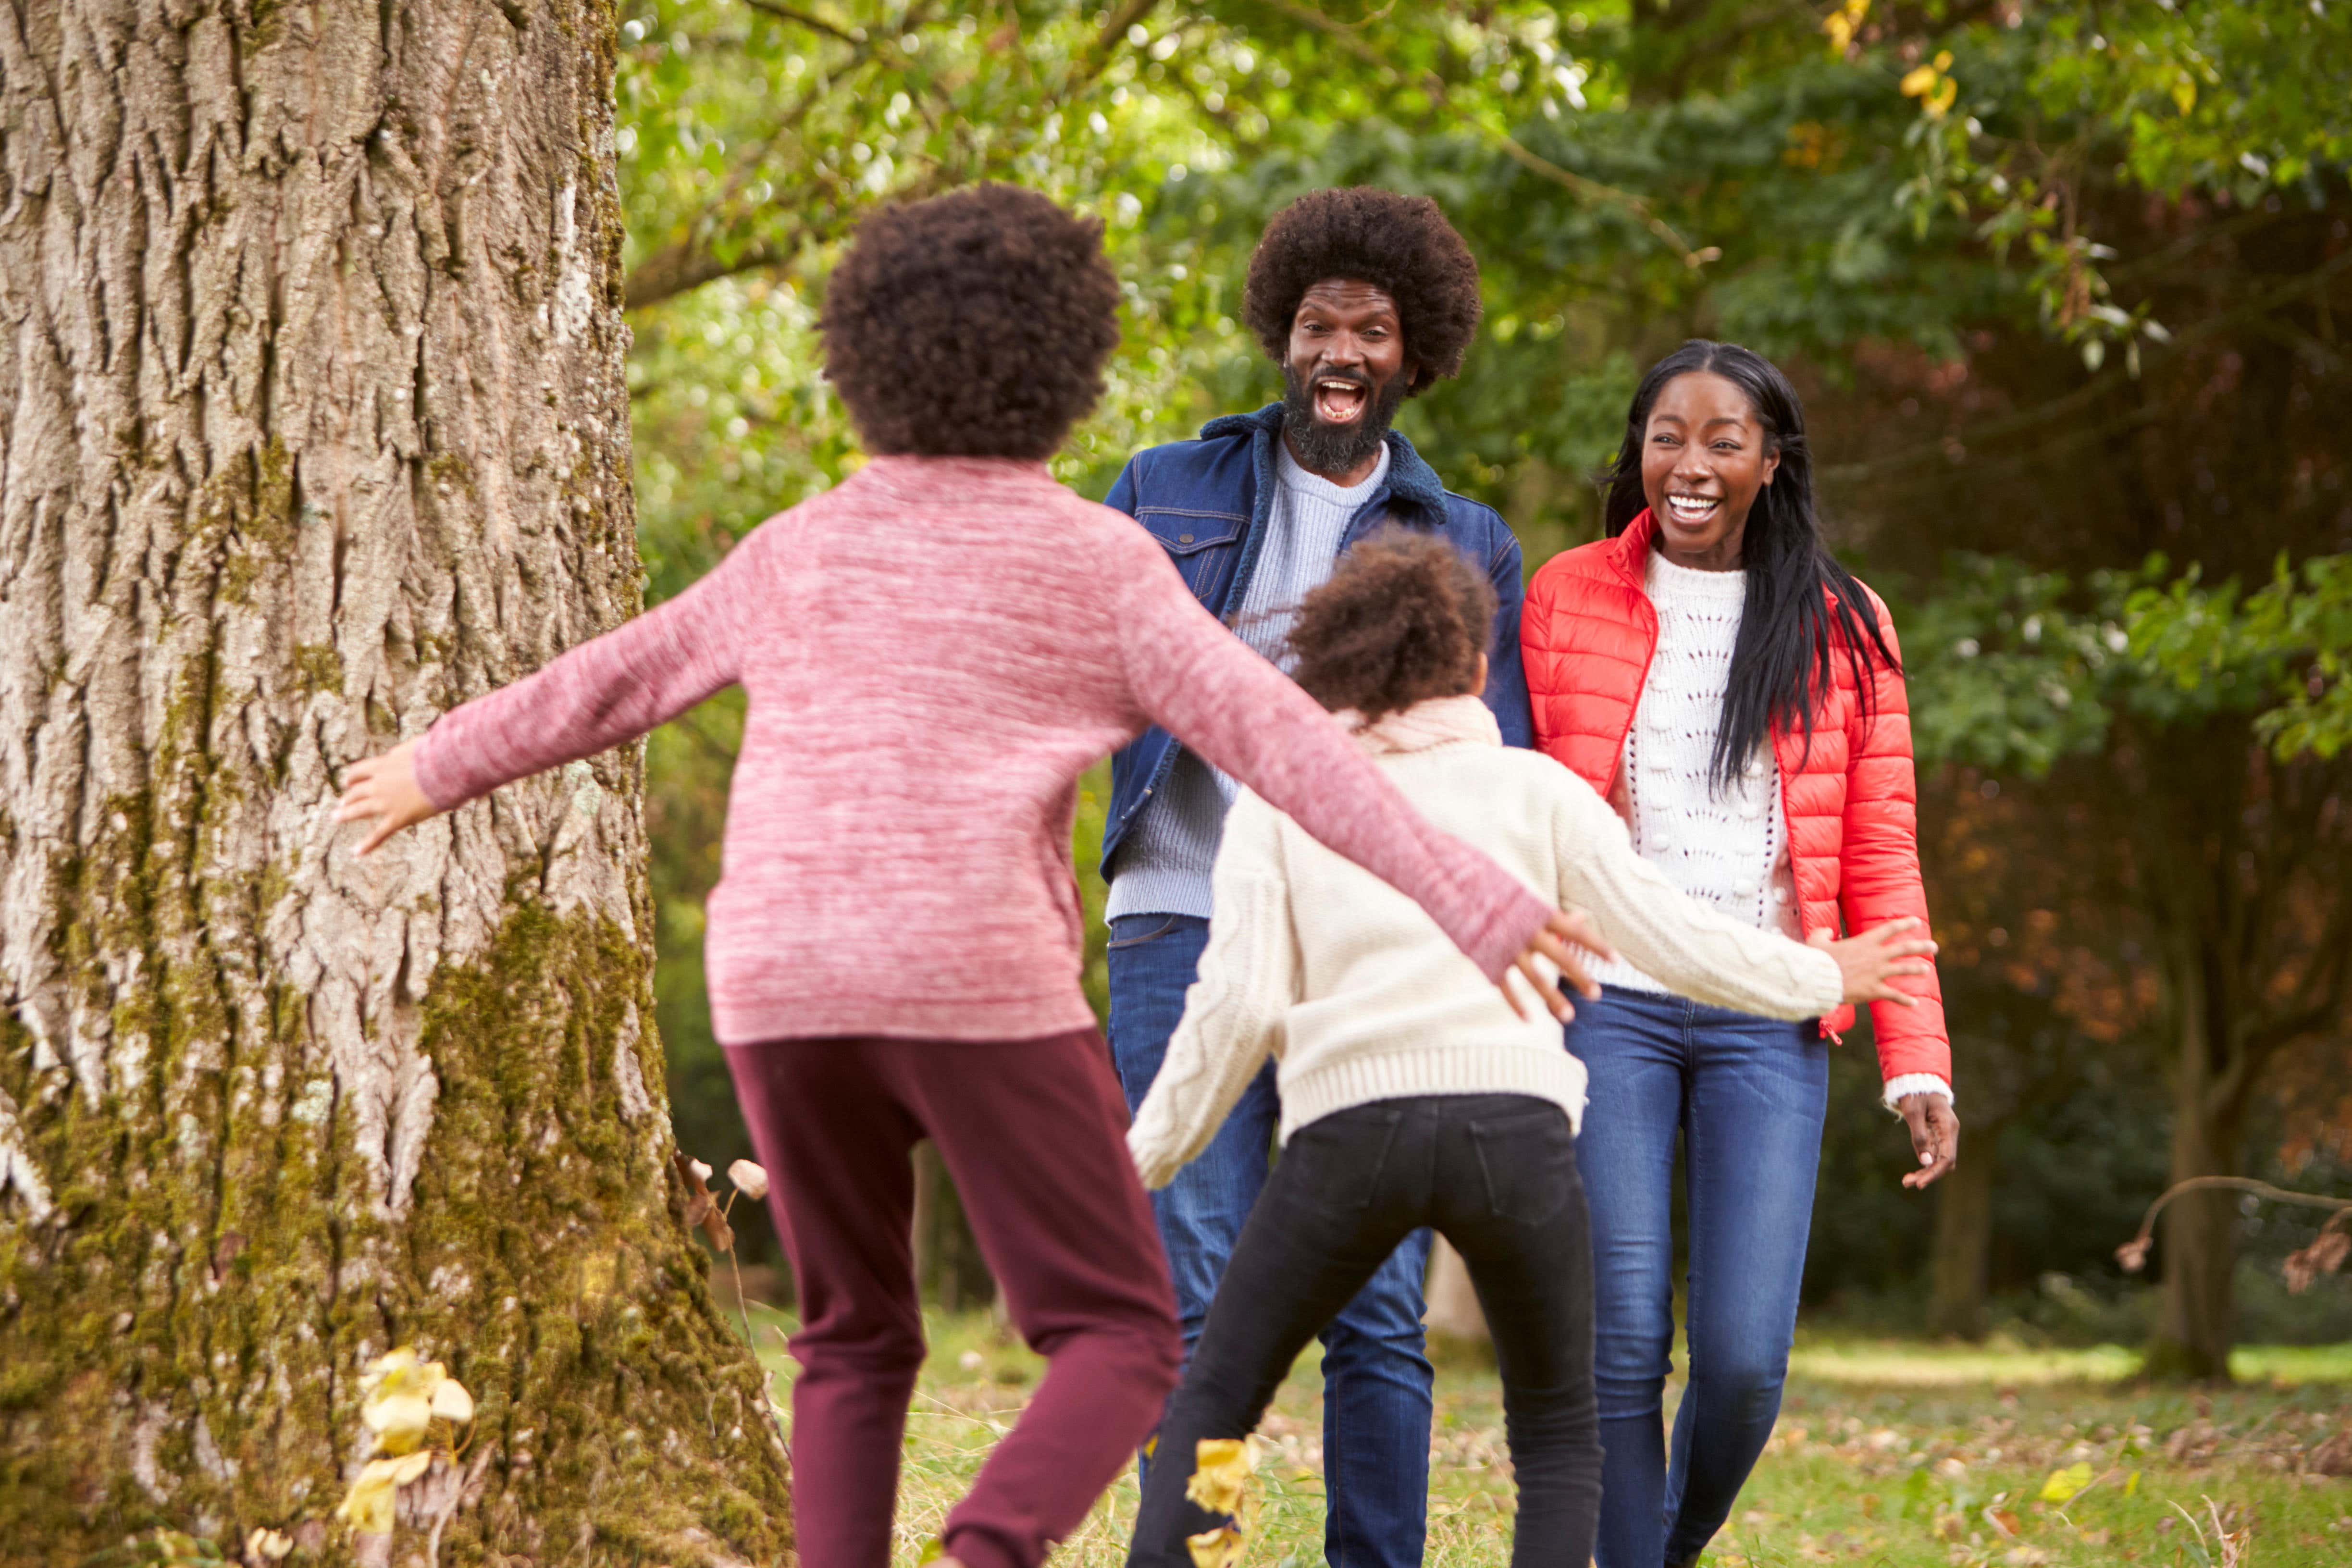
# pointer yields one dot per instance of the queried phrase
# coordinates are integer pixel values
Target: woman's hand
(1935, 1135)
(1557, 941)
(1870, 962)
(385, 787)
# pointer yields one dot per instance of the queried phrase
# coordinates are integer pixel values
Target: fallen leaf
(2066, 1483)
(1221, 1469)
(1218, 1548)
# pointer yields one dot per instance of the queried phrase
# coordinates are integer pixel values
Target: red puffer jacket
(1851, 801)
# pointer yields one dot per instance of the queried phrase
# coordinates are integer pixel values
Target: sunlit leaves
(2012, 669)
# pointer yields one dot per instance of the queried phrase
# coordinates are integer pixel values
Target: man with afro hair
(1364, 298)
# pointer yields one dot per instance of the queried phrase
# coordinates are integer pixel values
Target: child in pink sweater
(934, 651)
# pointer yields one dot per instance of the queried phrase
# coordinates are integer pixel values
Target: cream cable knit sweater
(1361, 998)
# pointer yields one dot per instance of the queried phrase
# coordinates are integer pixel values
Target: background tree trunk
(312, 425)
(2199, 1255)
(1963, 1246)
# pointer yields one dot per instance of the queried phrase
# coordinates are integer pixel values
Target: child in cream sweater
(1411, 1092)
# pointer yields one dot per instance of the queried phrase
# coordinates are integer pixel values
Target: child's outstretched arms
(1705, 955)
(1233, 1012)
(608, 690)
(1213, 693)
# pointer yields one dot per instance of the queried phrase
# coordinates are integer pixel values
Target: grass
(1886, 1453)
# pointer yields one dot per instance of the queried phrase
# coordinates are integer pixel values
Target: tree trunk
(1963, 1244)
(2197, 1322)
(312, 425)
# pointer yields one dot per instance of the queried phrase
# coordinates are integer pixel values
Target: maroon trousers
(1034, 1132)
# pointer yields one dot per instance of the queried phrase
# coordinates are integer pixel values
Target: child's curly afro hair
(1404, 619)
(1400, 244)
(973, 324)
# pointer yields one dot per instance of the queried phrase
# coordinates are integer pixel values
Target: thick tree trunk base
(312, 425)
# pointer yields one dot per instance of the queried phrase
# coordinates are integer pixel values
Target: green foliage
(2011, 669)
(2289, 641)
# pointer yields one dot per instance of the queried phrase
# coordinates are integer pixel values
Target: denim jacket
(1208, 502)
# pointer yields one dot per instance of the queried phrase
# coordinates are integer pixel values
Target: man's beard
(1332, 449)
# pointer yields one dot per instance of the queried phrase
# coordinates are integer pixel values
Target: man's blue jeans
(1376, 1376)
(1747, 1097)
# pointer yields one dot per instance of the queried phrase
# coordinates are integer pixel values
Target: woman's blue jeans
(1745, 1096)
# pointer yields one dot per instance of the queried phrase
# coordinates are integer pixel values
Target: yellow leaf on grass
(1218, 1548)
(2066, 1483)
(2132, 1484)
(1222, 1469)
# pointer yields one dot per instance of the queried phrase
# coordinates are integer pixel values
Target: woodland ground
(1886, 1453)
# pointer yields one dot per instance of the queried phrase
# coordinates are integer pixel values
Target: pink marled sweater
(934, 651)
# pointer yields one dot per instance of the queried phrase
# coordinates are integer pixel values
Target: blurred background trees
(2061, 282)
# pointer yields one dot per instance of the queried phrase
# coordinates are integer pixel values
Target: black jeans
(1495, 1175)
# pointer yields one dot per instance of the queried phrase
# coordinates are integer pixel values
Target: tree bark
(312, 425)
(1963, 1243)
(2197, 1322)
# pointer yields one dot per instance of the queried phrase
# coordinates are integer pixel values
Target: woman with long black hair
(1713, 671)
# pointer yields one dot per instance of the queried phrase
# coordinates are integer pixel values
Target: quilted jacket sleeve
(1879, 878)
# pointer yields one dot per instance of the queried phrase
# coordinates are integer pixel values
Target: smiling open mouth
(1340, 402)
(1692, 508)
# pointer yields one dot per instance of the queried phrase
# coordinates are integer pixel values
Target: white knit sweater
(1727, 847)
(1359, 994)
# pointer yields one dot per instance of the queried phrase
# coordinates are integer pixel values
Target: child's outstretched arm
(1699, 953)
(1233, 1013)
(1211, 692)
(643, 673)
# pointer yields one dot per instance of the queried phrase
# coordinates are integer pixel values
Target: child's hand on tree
(385, 787)
(1870, 962)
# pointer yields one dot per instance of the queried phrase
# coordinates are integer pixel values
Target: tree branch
(675, 269)
(1582, 185)
(1098, 55)
(2042, 415)
(807, 19)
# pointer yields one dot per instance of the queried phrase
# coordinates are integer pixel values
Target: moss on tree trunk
(312, 425)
